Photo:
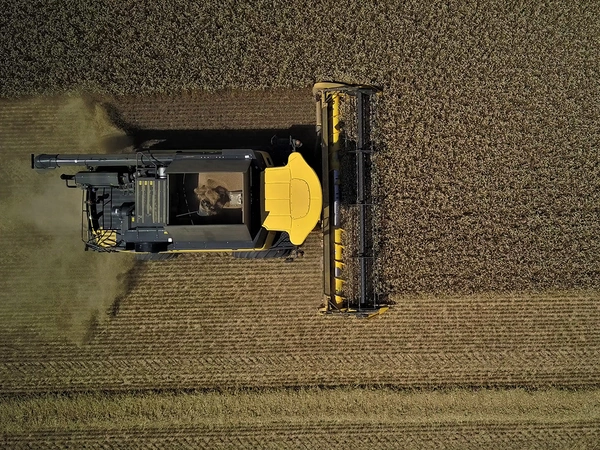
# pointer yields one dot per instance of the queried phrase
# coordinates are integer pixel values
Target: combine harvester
(159, 203)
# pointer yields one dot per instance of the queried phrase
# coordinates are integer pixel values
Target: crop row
(195, 370)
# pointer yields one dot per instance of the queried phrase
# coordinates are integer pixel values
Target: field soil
(488, 173)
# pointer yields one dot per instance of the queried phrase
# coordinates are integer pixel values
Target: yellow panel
(339, 285)
(278, 175)
(293, 198)
(300, 192)
(280, 207)
(279, 222)
(339, 233)
(277, 189)
(339, 300)
(339, 252)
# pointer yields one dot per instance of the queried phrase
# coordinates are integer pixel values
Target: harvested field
(310, 418)
(49, 287)
(178, 327)
(489, 177)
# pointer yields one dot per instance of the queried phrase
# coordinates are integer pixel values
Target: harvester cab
(345, 115)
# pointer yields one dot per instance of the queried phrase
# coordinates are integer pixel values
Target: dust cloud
(48, 284)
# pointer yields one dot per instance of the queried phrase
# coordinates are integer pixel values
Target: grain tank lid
(293, 198)
(208, 165)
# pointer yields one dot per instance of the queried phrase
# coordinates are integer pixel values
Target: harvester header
(344, 122)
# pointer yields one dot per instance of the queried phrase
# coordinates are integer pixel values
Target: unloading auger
(344, 115)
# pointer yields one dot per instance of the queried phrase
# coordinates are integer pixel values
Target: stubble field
(489, 211)
(338, 419)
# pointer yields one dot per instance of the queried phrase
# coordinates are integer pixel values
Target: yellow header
(293, 198)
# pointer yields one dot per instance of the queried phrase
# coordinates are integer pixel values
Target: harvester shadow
(271, 139)
(274, 140)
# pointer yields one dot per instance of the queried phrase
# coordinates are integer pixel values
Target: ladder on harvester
(349, 286)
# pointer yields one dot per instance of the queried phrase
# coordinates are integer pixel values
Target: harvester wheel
(282, 248)
(263, 254)
(152, 251)
(155, 256)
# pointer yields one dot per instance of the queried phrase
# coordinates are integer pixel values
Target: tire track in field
(347, 434)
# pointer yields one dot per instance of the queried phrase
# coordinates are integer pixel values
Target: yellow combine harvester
(159, 203)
